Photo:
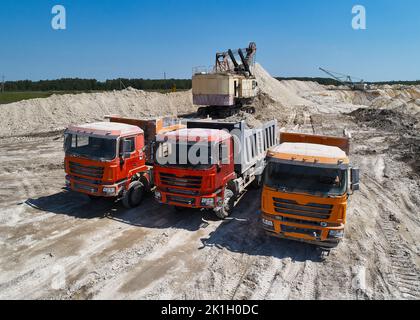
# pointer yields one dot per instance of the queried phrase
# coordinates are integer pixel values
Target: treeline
(329, 81)
(76, 84)
(406, 83)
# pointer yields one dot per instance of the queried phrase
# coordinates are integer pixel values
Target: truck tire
(227, 207)
(134, 195)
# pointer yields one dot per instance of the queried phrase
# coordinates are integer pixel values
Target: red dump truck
(209, 164)
(115, 158)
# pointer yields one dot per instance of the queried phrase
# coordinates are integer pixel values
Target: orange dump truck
(113, 159)
(306, 185)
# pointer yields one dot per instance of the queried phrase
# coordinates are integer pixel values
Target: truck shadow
(243, 233)
(71, 204)
(149, 214)
(240, 233)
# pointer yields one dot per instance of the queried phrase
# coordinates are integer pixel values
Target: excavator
(229, 87)
(347, 80)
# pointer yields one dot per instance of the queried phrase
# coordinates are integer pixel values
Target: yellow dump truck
(306, 185)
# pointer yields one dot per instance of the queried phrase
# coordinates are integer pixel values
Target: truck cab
(101, 158)
(113, 159)
(306, 185)
(187, 182)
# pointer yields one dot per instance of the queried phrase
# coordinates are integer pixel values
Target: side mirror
(354, 173)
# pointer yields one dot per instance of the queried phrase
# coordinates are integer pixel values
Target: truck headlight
(267, 222)
(336, 233)
(208, 202)
(108, 190)
(158, 195)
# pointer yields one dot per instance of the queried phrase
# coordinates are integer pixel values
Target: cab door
(130, 160)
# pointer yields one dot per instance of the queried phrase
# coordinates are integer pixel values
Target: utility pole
(2, 84)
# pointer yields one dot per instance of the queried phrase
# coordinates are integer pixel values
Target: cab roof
(196, 134)
(110, 129)
(309, 152)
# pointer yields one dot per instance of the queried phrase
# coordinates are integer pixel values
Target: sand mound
(58, 111)
(407, 147)
(282, 100)
(285, 92)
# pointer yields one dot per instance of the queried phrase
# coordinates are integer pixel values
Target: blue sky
(127, 38)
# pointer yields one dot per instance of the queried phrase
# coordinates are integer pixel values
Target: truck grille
(312, 210)
(180, 199)
(182, 191)
(309, 232)
(85, 187)
(169, 179)
(89, 171)
(84, 180)
(298, 221)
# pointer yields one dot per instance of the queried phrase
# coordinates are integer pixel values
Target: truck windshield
(90, 147)
(185, 155)
(313, 180)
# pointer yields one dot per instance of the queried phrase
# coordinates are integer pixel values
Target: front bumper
(308, 233)
(99, 190)
(187, 200)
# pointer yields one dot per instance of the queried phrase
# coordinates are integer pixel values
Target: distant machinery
(347, 80)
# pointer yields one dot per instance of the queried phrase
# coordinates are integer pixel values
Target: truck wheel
(227, 207)
(134, 195)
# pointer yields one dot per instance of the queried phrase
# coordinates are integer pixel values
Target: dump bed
(343, 143)
(250, 144)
